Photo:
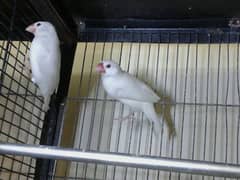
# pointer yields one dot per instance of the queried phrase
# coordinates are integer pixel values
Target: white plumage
(129, 90)
(45, 59)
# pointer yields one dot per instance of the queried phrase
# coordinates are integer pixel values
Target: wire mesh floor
(202, 80)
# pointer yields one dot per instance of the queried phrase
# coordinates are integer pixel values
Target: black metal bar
(156, 23)
(161, 35)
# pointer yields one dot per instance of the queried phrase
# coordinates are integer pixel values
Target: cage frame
(54, 117)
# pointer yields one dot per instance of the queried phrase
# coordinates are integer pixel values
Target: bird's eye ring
(38, 24)
(108, 66)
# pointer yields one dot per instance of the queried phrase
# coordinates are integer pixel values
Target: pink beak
(100, 68)
(31, 28)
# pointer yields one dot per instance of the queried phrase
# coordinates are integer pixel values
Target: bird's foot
(128, 117)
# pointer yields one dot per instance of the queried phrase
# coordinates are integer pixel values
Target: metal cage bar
(166, 164)
(94, 111)
(120, 44)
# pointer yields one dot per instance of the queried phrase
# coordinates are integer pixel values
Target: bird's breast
(110, 85)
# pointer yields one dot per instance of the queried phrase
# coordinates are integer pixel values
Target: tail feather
(165, 111)
(151, 114)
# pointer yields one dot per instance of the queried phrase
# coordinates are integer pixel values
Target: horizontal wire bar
(12, 171)
(22, 94)
(160, 102)
(166, 164)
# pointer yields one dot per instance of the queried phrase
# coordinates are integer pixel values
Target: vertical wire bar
(151, 131)
(120, 114)
(148, 58)
(112, 113)
(164, 93)
(217, 101)
(94, 104)
(85, 166)
(102, 112)
(156, 78)
(78, 109)
(184, 101)
(175, 97)
(207, 91)
(131, 127)
(238, 90)
(160, 145)
(165, 82)
(226, 101)
(139, 115)
(161, 142)
(123, 106)
(195, 99)
(90, 132)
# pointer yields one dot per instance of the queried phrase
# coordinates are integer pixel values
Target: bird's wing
(38, 57)
(43, 61)
(130, 87)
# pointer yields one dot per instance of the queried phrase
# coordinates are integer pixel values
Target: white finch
(129, 90)
(45, 59)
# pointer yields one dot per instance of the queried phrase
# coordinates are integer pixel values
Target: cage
(184, 51)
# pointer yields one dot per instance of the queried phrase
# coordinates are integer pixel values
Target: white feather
(45, 61)
(128, 87)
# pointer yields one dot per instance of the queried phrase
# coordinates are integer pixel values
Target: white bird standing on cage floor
(45, 59)
(132, 92)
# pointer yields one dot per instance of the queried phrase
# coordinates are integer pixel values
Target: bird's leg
(129, 116)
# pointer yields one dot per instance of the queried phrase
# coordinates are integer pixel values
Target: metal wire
(187, 166)
(21, 114)
(204, 108)
(178, 71)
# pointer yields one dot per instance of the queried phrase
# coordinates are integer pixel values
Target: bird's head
(107, 68)
(41, 28)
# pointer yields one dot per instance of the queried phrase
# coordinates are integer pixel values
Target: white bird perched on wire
(130, 91)
(45, 59)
